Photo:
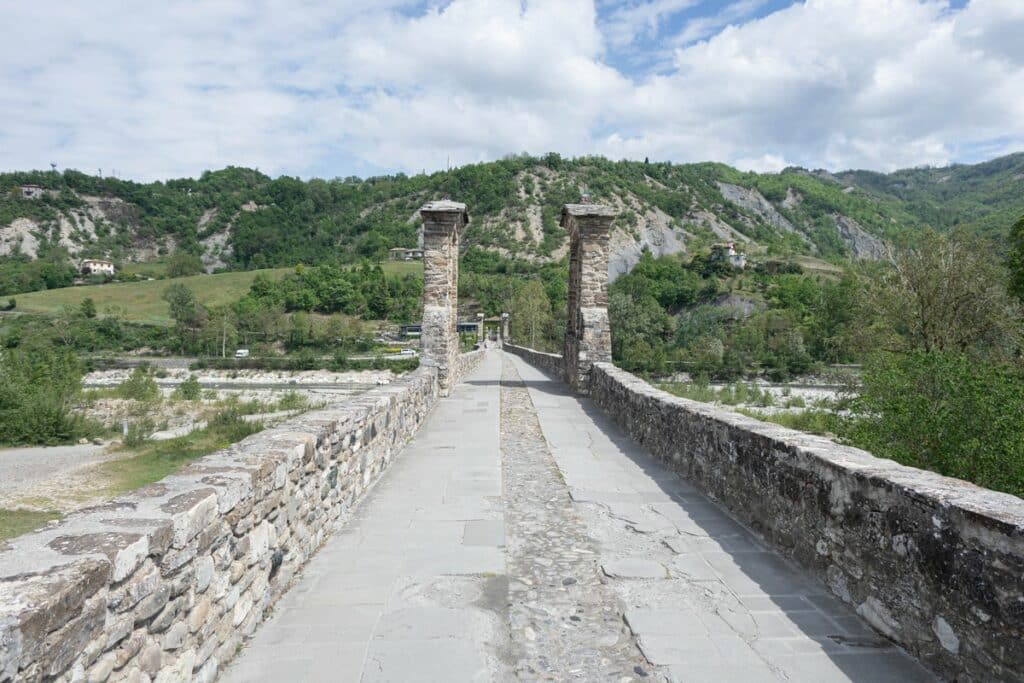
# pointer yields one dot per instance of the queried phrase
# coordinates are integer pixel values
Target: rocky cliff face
(861, 243)
(86, 228)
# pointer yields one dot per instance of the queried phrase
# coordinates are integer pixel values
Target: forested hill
(239, 218)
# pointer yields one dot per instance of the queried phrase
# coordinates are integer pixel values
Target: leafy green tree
(948, 293)
(946, 412)
(88, 308)
(38, 387)
(188, 314)
(1016, 260)
(531, 318)
(640, 330)
(183, 264)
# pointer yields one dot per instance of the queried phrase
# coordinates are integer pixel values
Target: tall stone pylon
(588, 338)
(443, 222)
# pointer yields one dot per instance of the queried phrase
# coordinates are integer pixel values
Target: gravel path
(23, 468)
(565, 622)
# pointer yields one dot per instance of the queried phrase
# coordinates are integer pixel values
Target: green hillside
(143, 301)
(240, 219)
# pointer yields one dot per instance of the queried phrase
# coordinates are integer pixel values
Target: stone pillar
(442, 223)
(588, 337)
(504, 328)
(480, 328)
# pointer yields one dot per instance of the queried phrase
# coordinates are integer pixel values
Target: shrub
(945, 412)
(292, 400)
(87, 308)
(189, 390)
(139, 386)
(822, 422)
(38, 386)
(138, 432)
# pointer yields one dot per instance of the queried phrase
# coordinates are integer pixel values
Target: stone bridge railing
(551, 363)
(935, 564)
(165, 582)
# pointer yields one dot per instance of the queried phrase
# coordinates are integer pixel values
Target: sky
(151, 90)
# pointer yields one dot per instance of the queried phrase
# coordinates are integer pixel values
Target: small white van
(242, 353)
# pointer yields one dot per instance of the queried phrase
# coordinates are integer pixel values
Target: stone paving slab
(729, 608)
(522, 537)
(413, 588)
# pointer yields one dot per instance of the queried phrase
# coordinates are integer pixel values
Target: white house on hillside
(97, 267)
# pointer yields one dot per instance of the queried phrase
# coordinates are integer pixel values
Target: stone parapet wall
(551, 363)
(465, 363)
(935, 564)
(164, 583)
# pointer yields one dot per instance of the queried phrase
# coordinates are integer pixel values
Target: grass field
(17, 522)
(154, 460)
(143, 301)
(816, 265)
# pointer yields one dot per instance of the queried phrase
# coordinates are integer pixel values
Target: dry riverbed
(41, 483)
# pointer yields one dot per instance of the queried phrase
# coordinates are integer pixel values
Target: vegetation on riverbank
(38, 387)
(942, 386)
(17, 522)
(153, 460)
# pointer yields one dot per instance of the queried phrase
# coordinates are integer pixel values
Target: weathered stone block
(191, 513)
(151, 606)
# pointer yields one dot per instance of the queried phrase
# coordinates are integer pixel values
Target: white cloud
(628, 22)
(839, 83)
(169, 89)
(703, 27)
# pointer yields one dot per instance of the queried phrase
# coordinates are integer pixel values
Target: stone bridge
(510, 515)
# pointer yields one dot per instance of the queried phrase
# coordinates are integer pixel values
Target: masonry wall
(935, 564)
(465, 363)
(164, 583)
(550, 363)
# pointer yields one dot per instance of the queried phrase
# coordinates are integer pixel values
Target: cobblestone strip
(566, 624)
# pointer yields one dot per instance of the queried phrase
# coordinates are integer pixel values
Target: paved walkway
(520, 536)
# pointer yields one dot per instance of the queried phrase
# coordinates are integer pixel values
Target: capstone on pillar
(588, 338)
(443, 222)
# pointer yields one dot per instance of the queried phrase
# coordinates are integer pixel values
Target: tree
(640, 329)
(189, 316)
(183, 264)
(88, 308)
(220, 332)
(948, 294)
(1016, 260)
(38, 386)
(531, 315)
(945, 412)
